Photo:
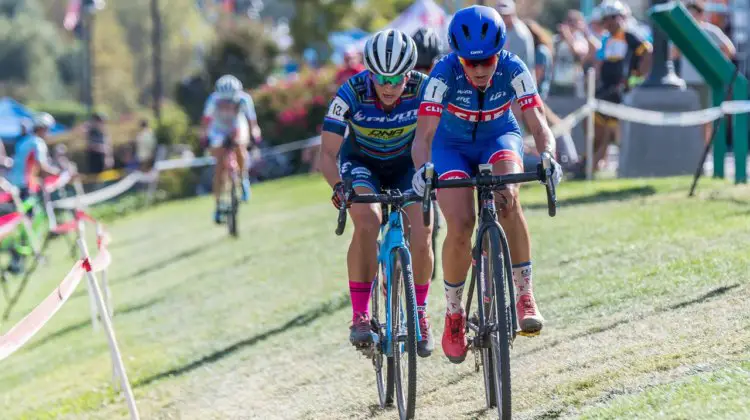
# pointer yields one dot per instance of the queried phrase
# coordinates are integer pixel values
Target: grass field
(646, 294)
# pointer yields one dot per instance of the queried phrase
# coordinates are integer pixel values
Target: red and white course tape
(25, 329)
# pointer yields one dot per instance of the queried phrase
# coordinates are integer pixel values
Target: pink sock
(422, 290)
(360, 294)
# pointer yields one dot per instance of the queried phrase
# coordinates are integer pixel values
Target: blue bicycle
(393, 301)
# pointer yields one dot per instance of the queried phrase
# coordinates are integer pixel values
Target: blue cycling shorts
(460, 158)
(376, 175)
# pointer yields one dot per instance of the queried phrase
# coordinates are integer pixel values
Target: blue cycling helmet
(476, 32)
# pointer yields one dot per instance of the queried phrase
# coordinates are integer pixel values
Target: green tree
(114, 76)
(243, 49)
(184, 33)
(374, 14)
(29, 47)
(315, 19)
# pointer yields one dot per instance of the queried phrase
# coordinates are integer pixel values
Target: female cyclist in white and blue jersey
(367, 136)
(229, 114)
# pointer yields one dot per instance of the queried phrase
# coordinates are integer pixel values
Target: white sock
(454, 295)
(522, 278)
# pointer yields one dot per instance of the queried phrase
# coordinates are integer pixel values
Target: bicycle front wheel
(404, 332)
(497, 320)
(383, 365)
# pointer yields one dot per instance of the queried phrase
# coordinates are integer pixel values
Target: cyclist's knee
(366, 219)
(420, 237)
(460, 224)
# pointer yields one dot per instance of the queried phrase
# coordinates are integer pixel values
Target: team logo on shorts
(361, 171)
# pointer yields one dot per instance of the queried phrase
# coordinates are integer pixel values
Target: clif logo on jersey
(477, 116)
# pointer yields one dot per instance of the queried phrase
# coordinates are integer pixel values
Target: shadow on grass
(87, 322)
(599, 197)
(299, 321)
(158, 265)
(597, 330)
(131, 241)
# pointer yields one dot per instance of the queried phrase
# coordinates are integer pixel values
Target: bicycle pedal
(367, 350)
(530, 334)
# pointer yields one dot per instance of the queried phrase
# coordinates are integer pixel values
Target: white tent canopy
(421, 14)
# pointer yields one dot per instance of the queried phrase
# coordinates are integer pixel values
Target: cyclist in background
(378, 107)
(229, 114)
(31, 158)
(30, 161)
(428, 49)
(466, 108)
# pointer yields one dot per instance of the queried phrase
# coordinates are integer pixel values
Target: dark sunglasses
(485, 62)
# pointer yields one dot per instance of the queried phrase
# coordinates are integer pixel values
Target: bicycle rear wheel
(233, 206)
(404, 332)
(495, 298)
(384, 380)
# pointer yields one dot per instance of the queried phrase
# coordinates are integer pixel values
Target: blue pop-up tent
(11, 115)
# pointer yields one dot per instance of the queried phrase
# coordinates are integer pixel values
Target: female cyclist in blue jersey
(464, 121)
(367, 136)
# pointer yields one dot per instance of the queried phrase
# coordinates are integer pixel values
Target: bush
(175, 125)
(179, 183)
(293, 110)
(191, 94)
(244, 49)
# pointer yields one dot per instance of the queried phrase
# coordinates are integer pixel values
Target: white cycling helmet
(228, 86)
(390, 53)
(43, 120)
(613, 8)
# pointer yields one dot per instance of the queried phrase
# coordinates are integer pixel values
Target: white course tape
(165, 165)
(568, 123)
(101, 195)
(26, 328)
(677, 119)
(290, 147)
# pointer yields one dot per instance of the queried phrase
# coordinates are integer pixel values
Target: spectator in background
(518, 40)
(99, 149)
(623, 57)
(574, 51)
(352, 65)
(692, 78)
(543, 57)
(145, 146)
(129, 158)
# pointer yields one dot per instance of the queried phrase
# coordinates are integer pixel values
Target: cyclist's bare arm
(421, 148)
(330, 144)
(205, 122)
(255, 132)
(537, 123)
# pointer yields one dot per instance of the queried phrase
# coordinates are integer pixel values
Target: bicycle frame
(392, 238)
